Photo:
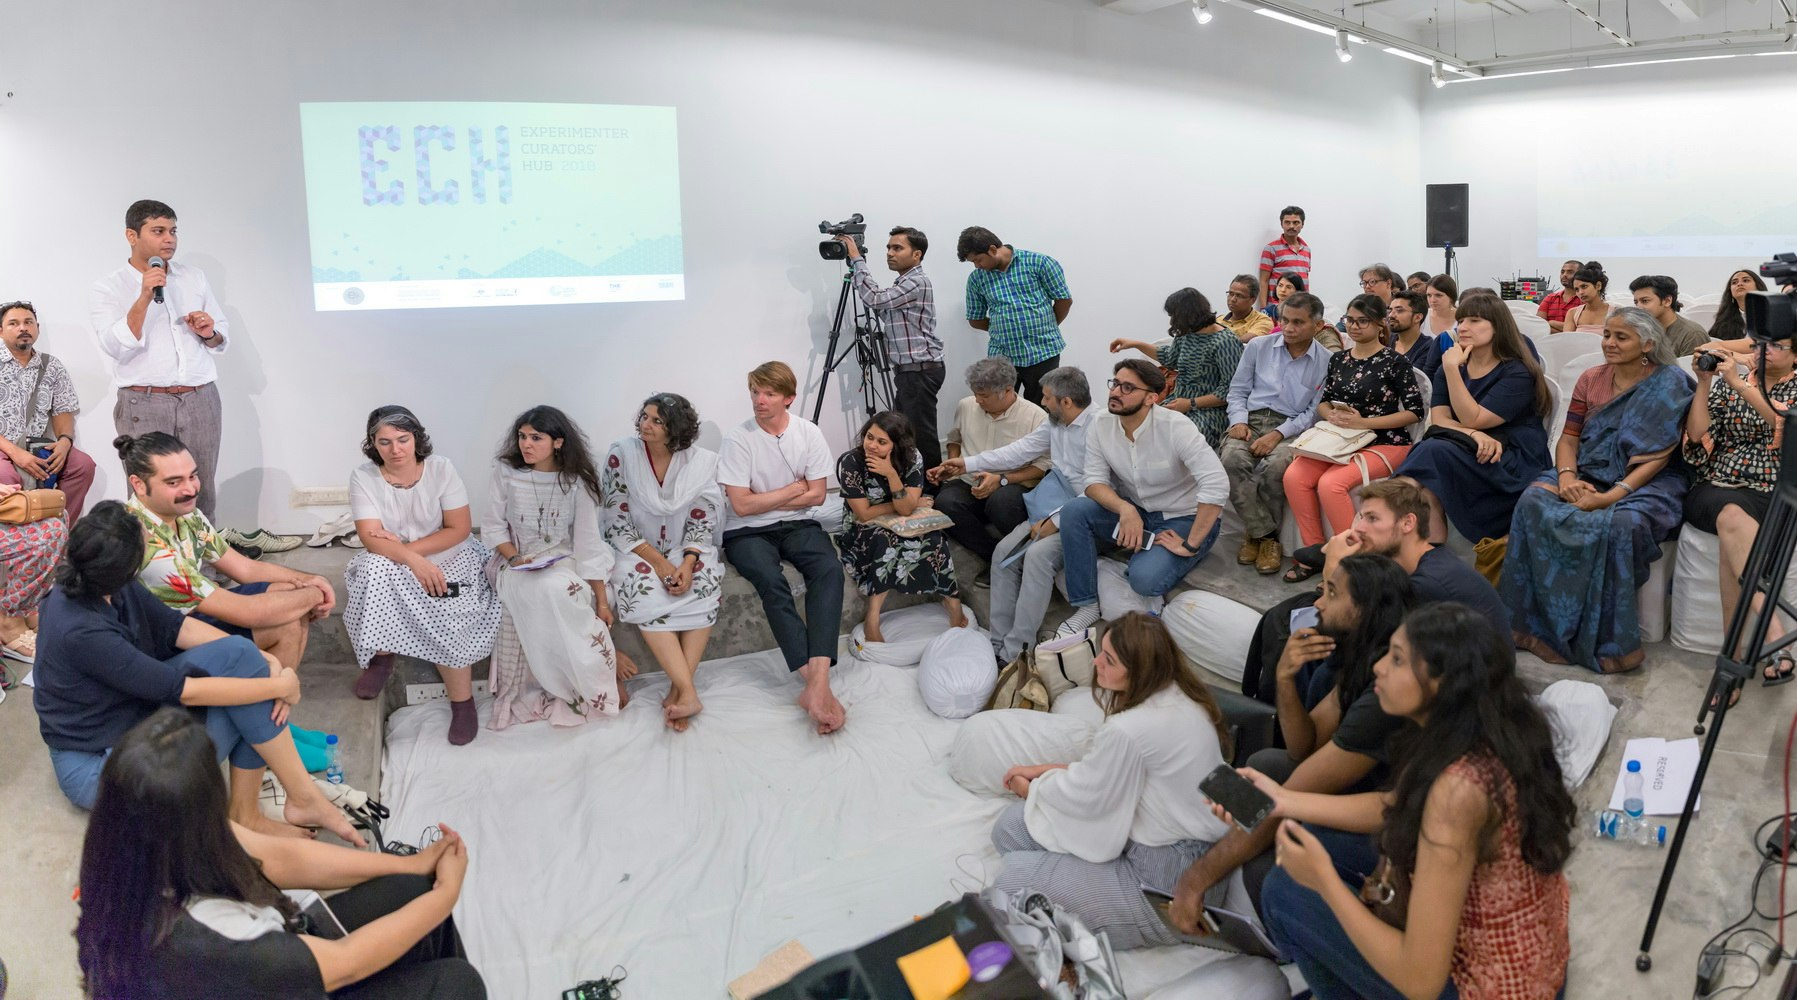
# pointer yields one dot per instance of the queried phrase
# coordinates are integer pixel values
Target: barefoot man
(774, 468)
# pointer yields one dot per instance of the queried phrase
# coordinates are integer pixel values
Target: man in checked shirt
(907, 312)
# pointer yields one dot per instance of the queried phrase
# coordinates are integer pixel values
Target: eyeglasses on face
(1370, 282)
(1359, 322)
(1126, 388)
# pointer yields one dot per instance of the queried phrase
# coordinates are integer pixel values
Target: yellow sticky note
(936, 972)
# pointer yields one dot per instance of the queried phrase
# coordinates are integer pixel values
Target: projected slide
(434, 205)
(1681, 199)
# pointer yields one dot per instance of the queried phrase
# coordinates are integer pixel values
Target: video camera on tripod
(866, 340)
(854, 227)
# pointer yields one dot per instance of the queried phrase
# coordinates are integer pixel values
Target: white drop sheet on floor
(686, 857)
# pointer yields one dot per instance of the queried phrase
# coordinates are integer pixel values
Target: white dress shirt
(1168, 468)
(170, 353)
(1064, 444)
(1139, 782)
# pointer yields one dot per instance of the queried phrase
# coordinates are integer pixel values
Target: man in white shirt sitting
(774, 469)
(1152, 485)
(1022, 589)
(986, 506)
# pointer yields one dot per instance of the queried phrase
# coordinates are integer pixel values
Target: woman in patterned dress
(1202, 354)
(28, 557)
(662, 504)
(555, 661)
(880, 561)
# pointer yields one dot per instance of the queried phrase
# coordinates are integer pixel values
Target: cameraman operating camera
(907, 311)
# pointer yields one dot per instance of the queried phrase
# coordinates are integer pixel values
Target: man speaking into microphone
(160, 325)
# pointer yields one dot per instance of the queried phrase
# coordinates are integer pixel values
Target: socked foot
(820, 703)
(678, 710)
(315, 812)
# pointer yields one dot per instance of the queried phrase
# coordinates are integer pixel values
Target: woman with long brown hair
(1089, 833)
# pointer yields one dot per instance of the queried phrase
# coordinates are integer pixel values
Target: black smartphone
(454, 589)
(1247, 805)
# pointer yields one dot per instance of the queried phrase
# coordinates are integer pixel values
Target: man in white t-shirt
(774, 468)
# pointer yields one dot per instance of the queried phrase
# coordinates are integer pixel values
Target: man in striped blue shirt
(1020, 298)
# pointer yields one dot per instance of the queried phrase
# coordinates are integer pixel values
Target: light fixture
(1341, 46)
(1296, 22)
(1435, 75)
(1201, 11)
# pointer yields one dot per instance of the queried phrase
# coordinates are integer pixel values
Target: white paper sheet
(1667, 767)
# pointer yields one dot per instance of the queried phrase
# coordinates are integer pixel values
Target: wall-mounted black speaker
(1447, 215)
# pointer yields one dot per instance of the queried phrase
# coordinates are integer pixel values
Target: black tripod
(868, 343)
(1764, 579)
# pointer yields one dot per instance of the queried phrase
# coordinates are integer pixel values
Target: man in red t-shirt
(1286, 255)
(1554, 307)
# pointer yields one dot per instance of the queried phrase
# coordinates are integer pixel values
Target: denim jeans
(1085, 526)
(236, 730)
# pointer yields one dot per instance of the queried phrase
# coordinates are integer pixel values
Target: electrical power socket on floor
(418, 694)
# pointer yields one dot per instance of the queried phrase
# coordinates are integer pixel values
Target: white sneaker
(331, 530)
(1082, 618)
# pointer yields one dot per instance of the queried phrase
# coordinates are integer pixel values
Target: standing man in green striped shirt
(1020, 298)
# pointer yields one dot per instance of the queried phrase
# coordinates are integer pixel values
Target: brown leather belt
(167, 390)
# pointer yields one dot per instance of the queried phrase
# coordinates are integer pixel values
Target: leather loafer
(1271, 557)
(1249, 553)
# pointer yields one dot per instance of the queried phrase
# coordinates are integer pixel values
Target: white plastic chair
(1711, 299)
(1523, 307)
(1556, 414)
(1703, 314)
(1563, 347)
(1534, 327)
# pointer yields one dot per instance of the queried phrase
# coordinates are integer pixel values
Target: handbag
(1488, 557)
(1069, 960)
(1386, 892)
(1069, 666)
(1020, 686)
(1326, 442)
(26, 506)
(915, 524)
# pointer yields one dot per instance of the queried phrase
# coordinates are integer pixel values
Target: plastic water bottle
(1613, 825)
(333, 771)
(1632, 803)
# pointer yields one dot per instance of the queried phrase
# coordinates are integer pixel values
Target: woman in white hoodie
(1088, 834)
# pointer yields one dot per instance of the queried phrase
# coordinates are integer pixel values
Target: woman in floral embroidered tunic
(662, 503)
(880, 561)
(554, 659)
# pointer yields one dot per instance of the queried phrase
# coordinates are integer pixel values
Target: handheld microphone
(156, 292)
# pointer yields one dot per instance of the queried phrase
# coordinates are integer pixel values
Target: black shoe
(1310, 556)
(248, 550)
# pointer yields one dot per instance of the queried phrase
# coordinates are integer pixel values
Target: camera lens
(1705, 362)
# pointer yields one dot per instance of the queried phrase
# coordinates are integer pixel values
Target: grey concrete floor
(1612, 884)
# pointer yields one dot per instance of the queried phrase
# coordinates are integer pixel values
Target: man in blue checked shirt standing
(1020, 298)
(907, 313)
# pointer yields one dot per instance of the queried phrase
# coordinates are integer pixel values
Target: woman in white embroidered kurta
(1088, 834)
(556, 660)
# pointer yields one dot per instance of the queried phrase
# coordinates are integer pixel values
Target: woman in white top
(1089, 834)
(420, 590)
(662, 507)
(554, 659)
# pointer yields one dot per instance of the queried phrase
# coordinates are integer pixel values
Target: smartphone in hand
(1247, 805)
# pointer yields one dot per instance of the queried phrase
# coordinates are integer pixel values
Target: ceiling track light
(1341, 46)
(1435, 75)
(1201, 11)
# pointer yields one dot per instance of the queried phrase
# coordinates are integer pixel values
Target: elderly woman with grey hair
(1582, 537)
(985, 506)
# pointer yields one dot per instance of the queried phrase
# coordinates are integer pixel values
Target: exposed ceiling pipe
(1334, 23)
(1729, 39)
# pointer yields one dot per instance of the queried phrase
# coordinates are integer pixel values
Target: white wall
(1502, 136)
(1144, 154)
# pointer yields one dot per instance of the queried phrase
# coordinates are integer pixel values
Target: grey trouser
(1257, 485)
(191, 416)
(1022, 590)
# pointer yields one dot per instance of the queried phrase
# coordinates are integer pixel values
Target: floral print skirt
(881, 561)
(643, 601)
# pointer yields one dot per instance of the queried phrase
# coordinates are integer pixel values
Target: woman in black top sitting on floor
(177, 901)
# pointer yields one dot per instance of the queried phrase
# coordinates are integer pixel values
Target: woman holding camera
(1731, 442)
(421, 588)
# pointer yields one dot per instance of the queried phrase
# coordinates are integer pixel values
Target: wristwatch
(1004, 480)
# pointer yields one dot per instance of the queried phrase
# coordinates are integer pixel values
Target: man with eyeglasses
(161, 326)
(1242, 319)
(38, 405)
(1404, 320)
(987, 505)
(1153, 487)
(1272, 399)
(1288, 254)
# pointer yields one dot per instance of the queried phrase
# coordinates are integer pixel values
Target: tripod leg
(830, 358)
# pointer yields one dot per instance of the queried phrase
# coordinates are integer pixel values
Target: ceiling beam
(1716, 43)
(1685, 10)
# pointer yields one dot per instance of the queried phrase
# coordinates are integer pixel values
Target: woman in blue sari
(1582, 538)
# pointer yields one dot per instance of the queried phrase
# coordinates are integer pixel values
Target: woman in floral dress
(662, 504)
(880, 561)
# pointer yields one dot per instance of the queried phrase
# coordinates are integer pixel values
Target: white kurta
(1139, 783)
(675, 515)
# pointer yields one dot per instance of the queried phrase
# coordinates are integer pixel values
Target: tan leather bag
(1020, 686)
(26, 506)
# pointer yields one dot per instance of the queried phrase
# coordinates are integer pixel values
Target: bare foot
(623, 696)
(820, 703)
(679, 712)
(957, 618)
(276, 828)
(318, 813)
(626, 667)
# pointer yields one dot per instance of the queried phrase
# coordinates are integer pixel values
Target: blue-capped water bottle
(333, 771)
(1632, 802)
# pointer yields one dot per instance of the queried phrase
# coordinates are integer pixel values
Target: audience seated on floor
(1369, 399)
(270, 604)
(38, 414)
(1658, 294)
(557, 662)
(111, 653)
(1479, 816)
(1090, 832)
(1730, 442)
(1153, 487)
(1240, 316)
(774, 468)
(986, 506)
(29, 555)
(1404, 322)
(421, 589)
(1022, 588)
(662, 499)
(1272, 399)
(880, 561)
(1583, 536)
(1487, 438)
(1202, 355)
(1590, 284)
(178, 900)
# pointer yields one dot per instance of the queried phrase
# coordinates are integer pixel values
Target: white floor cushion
(991, 743)
(906, 631)
(957, 673)
(1212, 631)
